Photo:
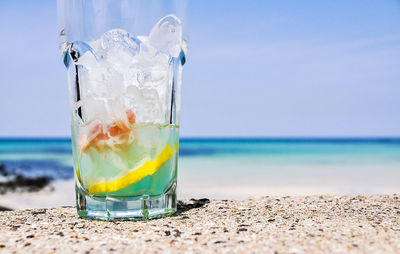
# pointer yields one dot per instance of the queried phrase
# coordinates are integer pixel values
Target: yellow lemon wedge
(148, 168)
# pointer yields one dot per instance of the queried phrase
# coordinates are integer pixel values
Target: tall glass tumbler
(124, 62)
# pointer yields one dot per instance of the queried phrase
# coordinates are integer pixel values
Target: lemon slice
(148, 168)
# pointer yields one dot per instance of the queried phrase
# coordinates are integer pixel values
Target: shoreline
(62, 193)
(57, 193)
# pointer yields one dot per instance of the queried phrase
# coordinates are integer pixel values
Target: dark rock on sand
(18, 182)
(2, 208)
(192, 203)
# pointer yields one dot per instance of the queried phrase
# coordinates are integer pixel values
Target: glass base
(111, 208)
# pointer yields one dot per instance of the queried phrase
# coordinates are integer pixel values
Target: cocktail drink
(125, 96)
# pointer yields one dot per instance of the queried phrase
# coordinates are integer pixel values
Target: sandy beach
(308, 224)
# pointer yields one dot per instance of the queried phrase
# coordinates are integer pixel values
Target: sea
(242, 167)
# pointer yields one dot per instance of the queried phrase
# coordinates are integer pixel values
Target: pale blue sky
(255, 68)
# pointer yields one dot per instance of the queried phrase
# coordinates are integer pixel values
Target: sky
(254, 69)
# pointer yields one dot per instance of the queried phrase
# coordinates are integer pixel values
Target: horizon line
(229, 138)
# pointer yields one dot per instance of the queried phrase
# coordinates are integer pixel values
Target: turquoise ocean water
(224, 166)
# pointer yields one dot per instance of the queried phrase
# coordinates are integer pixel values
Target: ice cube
(117, 46)
(94, 109)
(88, 60)
(116, 109)
(146, 104)
(152, 106)
(97, 47)
(121, 39)
(102, 81)
(146, 49)
(131, 77)
(109, 66)
(159, 77)
(148, 68)
(149, 56)
(149, 72)
(133, 99)
(143, 76)
(152, 77)
(132, 92)
(152, 138)
(166, 35)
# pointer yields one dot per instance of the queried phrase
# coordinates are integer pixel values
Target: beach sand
(310, 224)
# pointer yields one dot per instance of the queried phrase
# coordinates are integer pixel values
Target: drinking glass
(124, 63)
